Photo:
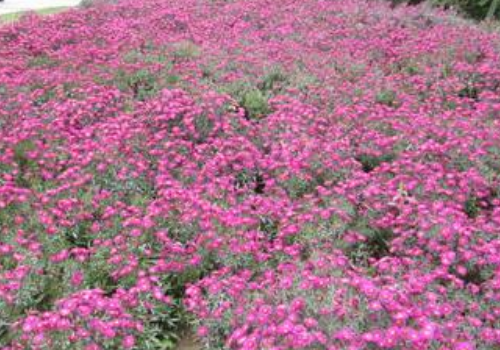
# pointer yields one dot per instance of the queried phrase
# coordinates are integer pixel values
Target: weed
(369, 162)
(387, 97)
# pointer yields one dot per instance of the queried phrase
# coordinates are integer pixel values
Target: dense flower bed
(293, 174)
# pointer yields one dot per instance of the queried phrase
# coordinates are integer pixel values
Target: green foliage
(386, 97)
(78, 236)
(255, 104)
(376, 245)
(45, 97)
(204, 126)
(169, 322)
(42, 61)
(165, 324)
(469, 91)
(27, 176)
(249, 97)
(369, 162)
(269, 227)
(477, 9)
(186, 50)
(142, 83)
(253, 97)
(138, 56)
(412, 70)
(471, 207)
(91, 3)
(21, 154)
(475, 274)
(273, 80)
(297, 187)
(253, 179)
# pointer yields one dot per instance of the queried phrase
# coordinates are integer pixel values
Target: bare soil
(188, 343)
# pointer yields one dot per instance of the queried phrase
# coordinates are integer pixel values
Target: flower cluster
(282, 174)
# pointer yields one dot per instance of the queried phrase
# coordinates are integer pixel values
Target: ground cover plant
(313, 174)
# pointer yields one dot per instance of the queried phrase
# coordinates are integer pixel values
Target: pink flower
(77, 278)
(202, 331)
(464, 346)
(128, 342)
(448, 258)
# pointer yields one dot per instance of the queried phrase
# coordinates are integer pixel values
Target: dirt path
(188, 343)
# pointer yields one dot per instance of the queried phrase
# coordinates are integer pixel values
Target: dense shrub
(477, 9)
(295, 174)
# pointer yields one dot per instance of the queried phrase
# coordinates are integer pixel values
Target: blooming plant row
(295, 174)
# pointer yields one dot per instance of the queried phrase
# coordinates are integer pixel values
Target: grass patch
(15, 16)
